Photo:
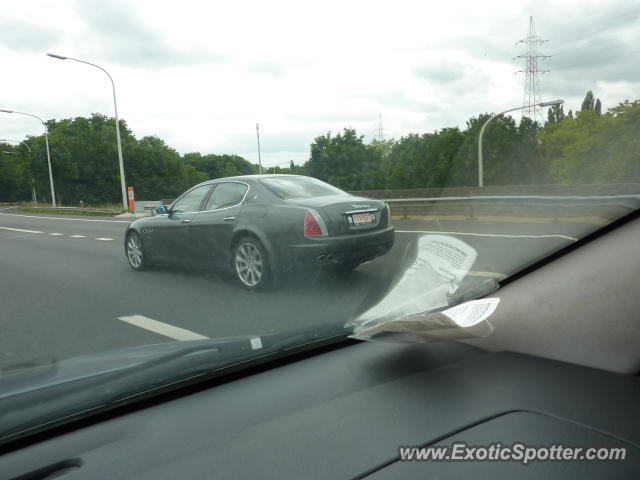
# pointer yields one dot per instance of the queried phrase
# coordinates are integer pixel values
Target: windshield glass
(299, 187)
(426, 154)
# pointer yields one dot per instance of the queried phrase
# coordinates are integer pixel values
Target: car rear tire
(250, 265)
(134, 248)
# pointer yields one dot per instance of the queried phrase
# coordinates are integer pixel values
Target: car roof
(249, 177)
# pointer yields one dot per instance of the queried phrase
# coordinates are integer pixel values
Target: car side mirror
(162, 210)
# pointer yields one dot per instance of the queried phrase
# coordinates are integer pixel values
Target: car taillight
(314, 225)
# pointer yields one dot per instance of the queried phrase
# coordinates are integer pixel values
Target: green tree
(423, 161)
(551, 118)
(594, 148)
(598, 107)
(555, 114)
(344, 160)
(217, 166)
(497, 140)
(85, 163)
(15, 173)
(589, 102)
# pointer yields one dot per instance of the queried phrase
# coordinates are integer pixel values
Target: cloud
(456, 77)
(201, 74)
(440, 72)
(119, 34)
(580, 65)
(330, 116)
(270, 141)
(27, 37)
(268, 68)
(593, 20)
(497, 48)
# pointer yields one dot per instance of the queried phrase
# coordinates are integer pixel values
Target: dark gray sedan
(262, 227)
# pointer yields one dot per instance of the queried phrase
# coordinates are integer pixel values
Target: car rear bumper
(334, 251)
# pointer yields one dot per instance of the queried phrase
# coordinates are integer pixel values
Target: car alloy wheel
(135, 251)
(250, 264)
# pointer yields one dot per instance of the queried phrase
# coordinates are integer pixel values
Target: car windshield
(299, 187)
(269, 176)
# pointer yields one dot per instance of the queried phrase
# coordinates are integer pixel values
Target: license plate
(363, 218)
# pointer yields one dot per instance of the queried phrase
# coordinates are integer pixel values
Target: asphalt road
(65, 284)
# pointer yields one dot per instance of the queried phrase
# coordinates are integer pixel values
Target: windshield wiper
(72, 389)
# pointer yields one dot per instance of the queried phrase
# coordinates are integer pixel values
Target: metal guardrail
(529, 205)
(151, 209)
(505, 190)
(472, 206)
(75, 209)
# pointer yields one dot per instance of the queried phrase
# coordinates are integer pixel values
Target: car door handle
(229, 219)
(186, 220)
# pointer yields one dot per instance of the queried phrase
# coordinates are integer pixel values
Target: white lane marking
(20, 230)
(70, 219)
(162, 328)
(565, 237)
(55, 234)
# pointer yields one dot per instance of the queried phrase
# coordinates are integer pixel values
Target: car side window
(226, 194)
(190, 202)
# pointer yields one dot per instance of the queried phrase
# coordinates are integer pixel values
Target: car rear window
(300, 187)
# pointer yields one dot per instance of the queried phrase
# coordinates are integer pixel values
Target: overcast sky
(201, 74)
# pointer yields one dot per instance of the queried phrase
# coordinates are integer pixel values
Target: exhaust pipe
(326, 258)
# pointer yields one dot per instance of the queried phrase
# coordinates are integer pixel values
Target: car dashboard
(344, 413)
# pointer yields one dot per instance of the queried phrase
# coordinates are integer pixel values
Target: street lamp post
(15, 141)
(46, 140)
(115, 107)
(259, 157)
(540, 104)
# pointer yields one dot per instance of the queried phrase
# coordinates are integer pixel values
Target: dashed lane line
(162, 328)
(20, 230)
(55, 234)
